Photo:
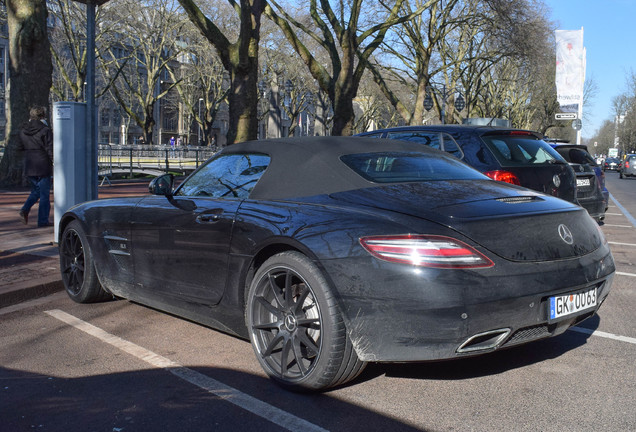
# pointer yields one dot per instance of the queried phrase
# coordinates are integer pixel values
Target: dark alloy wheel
(296, 330)
(77, 266)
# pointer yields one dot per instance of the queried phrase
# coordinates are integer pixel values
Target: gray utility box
(70, 157)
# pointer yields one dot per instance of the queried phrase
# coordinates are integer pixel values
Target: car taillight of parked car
(504, 176)
(626, 164)
(425, 251)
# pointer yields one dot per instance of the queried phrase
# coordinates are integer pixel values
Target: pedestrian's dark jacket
(36, 141)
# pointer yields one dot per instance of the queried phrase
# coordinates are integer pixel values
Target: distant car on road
(628, 166)
(590, 179)
(514, 156)
(611, 164)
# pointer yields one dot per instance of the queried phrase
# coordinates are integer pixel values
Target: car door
(182, 242)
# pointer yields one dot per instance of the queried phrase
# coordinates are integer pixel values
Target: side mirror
(162, 185)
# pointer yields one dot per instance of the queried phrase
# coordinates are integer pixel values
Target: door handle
(208, 218)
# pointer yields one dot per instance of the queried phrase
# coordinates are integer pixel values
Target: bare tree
(200, 82)
(135, 55)
(341, 32)
(240, 59)
(30, 71)
(68, 47)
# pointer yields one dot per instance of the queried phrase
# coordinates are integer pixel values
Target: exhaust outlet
(484, 341)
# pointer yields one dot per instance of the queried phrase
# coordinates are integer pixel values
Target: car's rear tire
(78, 267)
(295, 327)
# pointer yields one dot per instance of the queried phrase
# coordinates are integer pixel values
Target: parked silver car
(628, 167)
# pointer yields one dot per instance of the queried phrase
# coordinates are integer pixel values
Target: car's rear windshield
(521, 150)
(576, 155)
(394, 167)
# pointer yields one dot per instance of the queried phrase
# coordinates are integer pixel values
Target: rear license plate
(569, 304)
(583, 182)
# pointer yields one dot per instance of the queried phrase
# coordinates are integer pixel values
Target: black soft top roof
(307, 166)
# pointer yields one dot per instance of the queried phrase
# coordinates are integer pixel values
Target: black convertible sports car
(328, 253)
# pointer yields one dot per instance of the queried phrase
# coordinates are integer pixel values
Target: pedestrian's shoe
(24, 217)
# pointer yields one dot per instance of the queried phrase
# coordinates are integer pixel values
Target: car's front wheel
(295, 326)
(78, 268)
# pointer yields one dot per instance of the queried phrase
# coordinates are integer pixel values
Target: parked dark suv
(590, 179)
(515, 156)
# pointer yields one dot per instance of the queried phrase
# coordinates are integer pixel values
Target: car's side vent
(518, 200)
(117, 245)
(118, 249)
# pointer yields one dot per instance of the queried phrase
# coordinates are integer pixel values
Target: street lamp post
(200, 124)
(460, 103)
(265, 109)
(91, 129)
(289, 88)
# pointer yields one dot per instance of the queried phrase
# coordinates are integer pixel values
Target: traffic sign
(565, 116)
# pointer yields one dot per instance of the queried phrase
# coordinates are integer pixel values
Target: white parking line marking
(624, 210)
(619, 226)
(622, 244)
(614, 214)
(227, 393)
(605, 335)
(626, 274)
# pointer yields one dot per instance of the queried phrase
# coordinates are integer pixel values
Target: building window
(104, 118)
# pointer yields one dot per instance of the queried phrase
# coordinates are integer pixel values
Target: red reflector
(504, 176)
(425, 251)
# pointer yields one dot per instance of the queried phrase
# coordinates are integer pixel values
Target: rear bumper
(595, 206)
(400, 313)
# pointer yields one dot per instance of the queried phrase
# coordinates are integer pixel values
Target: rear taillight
(626, 164)
(504, 176)
(425, 251)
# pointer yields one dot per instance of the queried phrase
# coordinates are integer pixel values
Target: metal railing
(152, 160)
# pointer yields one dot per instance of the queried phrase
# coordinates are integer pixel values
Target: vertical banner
(570, 70)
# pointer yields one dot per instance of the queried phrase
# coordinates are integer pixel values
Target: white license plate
(583, 182)
(568, 304)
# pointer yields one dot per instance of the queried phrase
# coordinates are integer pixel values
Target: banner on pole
(570, 69)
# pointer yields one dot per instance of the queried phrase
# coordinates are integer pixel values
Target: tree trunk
(243, 118)
(30, 72)
(240, 59)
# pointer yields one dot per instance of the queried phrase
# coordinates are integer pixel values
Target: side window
(503, 149)
(230, 176)
(450, 145)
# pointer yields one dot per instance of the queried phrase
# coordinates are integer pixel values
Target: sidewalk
(29, 262)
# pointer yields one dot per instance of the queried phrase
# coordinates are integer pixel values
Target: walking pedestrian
(36, 142)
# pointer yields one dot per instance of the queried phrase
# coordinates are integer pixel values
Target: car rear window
(393, 167)
(576, 155)
(520, 150)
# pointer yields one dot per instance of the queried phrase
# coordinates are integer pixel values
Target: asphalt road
(118, 366)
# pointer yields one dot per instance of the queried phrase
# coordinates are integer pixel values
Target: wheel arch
(267, 251)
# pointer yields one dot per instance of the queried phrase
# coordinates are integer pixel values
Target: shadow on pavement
(156, 400)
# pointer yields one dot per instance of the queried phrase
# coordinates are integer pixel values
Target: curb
(29, 290)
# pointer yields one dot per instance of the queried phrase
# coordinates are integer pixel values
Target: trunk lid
(515, 223)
